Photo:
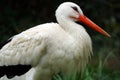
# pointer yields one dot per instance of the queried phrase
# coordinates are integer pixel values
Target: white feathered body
(49, 49)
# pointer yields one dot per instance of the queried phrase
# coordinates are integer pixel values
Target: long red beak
(92, 25)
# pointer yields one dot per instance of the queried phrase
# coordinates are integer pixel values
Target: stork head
(71, 11)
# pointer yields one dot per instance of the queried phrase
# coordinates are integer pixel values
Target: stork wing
(13, 70)
(22, 52)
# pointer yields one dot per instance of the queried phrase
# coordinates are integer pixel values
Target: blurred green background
(19, 15)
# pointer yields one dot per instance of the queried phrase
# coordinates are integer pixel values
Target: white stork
(50, 48)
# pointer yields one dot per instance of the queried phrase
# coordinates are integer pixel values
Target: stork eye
(75, 8)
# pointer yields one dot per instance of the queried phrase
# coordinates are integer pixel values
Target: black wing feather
(13, 70)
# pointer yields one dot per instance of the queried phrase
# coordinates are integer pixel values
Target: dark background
(19, 15)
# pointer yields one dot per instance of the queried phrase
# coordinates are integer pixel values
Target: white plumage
(50, 48)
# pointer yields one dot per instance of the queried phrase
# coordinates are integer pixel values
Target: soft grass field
(93, 74)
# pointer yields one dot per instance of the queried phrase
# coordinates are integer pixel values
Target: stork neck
(69, 25)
